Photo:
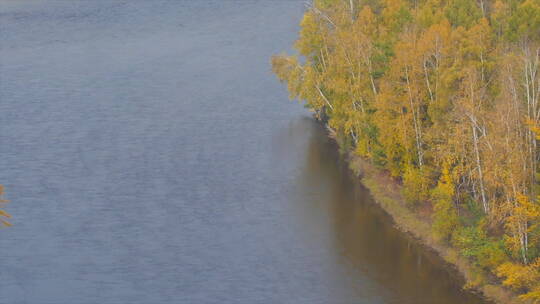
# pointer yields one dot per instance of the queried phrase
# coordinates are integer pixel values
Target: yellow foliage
(518, 276)
(443, 95)
(415, 185)
(3, 214)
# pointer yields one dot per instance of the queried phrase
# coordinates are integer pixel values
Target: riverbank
(387, 192)
(439, 103)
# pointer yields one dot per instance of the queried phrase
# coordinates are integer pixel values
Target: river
(150, 156)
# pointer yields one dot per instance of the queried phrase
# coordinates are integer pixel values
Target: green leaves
(463, 13)
(524, 24)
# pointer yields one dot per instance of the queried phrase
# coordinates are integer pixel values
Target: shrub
(474, 243)
(415, 185)
(445, 217)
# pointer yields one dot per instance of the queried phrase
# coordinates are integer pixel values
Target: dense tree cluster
(445, 95)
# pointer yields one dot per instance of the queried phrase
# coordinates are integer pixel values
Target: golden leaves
(519, 276)
(3, 214)
(437, 96)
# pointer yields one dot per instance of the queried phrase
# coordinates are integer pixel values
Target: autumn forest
(445, 96)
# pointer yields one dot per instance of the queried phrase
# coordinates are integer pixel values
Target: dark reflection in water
(389, 266)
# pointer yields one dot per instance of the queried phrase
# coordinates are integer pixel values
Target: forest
(445, 96)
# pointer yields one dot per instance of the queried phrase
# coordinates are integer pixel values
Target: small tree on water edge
(3, 214)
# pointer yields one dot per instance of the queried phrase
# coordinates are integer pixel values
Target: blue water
(150, 156)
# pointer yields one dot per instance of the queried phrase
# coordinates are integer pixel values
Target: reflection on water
(389, 266)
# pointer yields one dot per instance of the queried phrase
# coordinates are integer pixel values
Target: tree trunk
(479, 167)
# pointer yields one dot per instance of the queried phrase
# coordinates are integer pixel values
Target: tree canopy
(445, 96)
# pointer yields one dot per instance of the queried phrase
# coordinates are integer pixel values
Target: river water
(151, 157)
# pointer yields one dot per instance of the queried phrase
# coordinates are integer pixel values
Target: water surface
(151, 157)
